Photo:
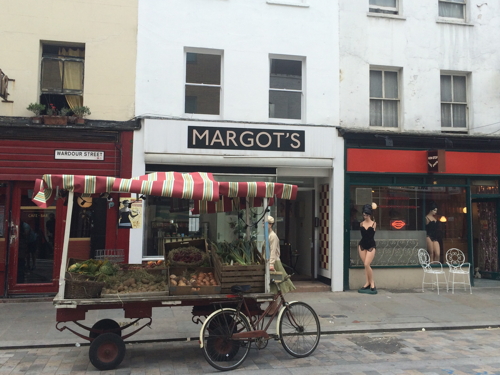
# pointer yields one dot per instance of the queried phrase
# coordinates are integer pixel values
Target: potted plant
(37, 109)
(80, 112)
(53, 116)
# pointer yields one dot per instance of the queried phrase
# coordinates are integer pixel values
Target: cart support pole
(267, 278)
(64, 258)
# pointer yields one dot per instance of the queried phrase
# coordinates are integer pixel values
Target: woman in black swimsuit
(431, 227)
(367, 246)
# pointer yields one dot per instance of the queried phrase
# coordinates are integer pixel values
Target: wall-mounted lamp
(464, 210)
(442, 219)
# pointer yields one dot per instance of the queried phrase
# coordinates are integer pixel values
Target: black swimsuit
(432, 229)
(367, 238)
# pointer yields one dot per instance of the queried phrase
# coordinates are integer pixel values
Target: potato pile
(135, 281)
(196, 280)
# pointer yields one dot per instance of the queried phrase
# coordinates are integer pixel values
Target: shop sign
(436, 161)
(79, 155)
(245, 139)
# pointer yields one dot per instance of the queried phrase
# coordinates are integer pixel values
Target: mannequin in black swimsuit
(431, 227)
(366, 247)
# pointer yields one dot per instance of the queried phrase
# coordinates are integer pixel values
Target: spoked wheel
(105, 325)
(220, 350)
(107, 351)
(299, 329)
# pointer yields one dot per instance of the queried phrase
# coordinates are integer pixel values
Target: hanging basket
(82, 287)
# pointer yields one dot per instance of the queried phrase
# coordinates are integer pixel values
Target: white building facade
(419, 113)
(248, 91)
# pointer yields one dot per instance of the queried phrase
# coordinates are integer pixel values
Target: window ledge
(453, 22)
(287, 3)
(382, 15)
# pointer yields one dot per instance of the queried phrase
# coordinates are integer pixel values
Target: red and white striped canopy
(199, 186)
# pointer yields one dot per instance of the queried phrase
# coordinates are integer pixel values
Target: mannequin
(431, 227)
(366, 247)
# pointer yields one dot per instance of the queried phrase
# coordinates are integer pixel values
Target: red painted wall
(408, 161)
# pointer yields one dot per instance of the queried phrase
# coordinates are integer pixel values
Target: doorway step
(310, 286)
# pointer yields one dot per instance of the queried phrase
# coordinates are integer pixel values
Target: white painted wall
(247, 33)
(107, 28)
(422, 46)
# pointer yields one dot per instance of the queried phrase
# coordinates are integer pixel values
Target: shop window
(384, 98)
(401, 223)
(384, 6)
(203, 83)
(285, 89)
(484, 187)
(453, 102)
(452, 9)
(62, 72)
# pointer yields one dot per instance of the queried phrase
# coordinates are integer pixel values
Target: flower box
(55, 120)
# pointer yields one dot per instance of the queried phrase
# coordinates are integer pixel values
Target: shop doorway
(485, 241)
(32, 250)
(297, 244)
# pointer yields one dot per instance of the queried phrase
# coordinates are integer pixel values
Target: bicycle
(227, 333)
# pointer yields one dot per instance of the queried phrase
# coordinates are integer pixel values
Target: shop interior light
(464, 210)
(442, 219)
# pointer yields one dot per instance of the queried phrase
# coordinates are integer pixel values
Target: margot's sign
(245, 139)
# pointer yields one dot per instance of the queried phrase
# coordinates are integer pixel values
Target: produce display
(194, 280)
(94, 268)
(239, 252)
(135, 281)
(188, 256)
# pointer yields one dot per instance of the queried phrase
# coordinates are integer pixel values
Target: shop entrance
(485, 239)
(31, 244)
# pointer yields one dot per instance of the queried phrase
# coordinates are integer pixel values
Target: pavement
(30, 323)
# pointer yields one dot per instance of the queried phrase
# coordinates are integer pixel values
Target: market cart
(107, 348)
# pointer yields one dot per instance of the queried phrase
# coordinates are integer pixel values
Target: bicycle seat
(240, 288)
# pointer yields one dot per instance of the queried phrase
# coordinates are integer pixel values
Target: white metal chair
(455, 259)
(425, 262)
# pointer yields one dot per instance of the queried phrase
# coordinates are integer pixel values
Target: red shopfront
(31, 238)
(403, 180)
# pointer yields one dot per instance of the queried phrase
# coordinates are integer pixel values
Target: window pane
(384, 3)
(285, 104)
(390, 113)
(51, 75)
(207, 99)
(459, 91)
(451, 10)
(391, 85)
(446, 115)
(375, 112)
(446, 89)
(286, 74)
(459, 115)
(375, 84)
(73, 75)
(203, 68)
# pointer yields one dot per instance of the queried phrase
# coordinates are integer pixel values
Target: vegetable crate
(239, 275)
(192, 289)
(200, 244)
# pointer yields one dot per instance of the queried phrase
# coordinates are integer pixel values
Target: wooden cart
(107, 348)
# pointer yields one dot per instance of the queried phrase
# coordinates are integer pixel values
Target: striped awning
(226, 204)
(196, 185)
(258, 190)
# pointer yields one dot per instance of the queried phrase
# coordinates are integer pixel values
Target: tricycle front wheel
(107, 351)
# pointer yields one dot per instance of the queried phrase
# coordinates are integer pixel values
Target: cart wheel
(107, 351)
(105, 325)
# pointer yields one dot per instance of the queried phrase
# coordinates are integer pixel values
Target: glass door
(32, 244)
(485, 237)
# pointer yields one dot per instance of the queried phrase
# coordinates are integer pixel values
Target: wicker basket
(172, 262)
(82, 287)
